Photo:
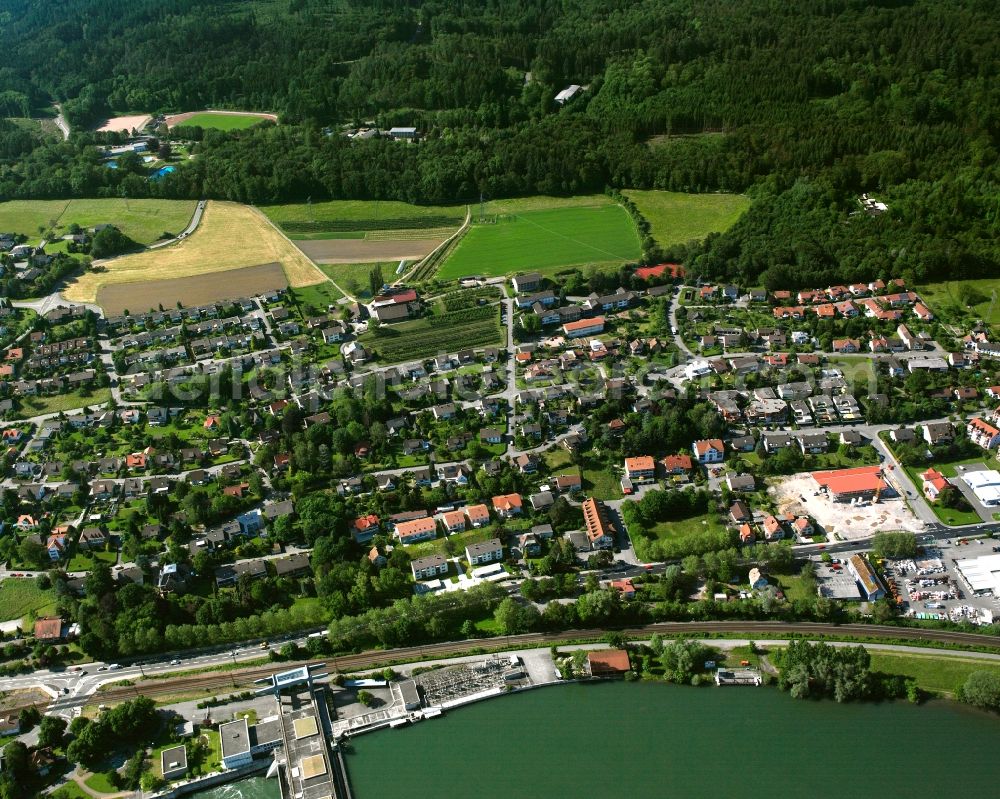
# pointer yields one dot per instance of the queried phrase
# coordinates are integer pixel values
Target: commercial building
(845, 485)
(985, 484)
(868, 581)
(982, 574)
(235, 737)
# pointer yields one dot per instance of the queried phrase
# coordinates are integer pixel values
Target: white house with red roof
(934, 484)
(709, 450)
(983, 433)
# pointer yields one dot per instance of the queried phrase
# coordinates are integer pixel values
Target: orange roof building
(48, 628)
(478, 515)
(507, 504)
(640, 469)
(416, 530)
(843, 485)
(600, 533)
(454, 521)
(608, 662)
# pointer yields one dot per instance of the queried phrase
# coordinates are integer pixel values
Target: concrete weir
(307, 765)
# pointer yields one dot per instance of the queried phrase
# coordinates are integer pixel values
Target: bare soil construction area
(195, 290)
(841, 520)
(125, 124)
(359, 251)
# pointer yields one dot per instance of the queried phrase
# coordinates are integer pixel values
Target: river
(252, 788)
(658, 740)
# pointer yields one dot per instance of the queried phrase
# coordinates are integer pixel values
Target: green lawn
(854, 367)
(598, 482)
(322, 220)
(224, 121)
(796, 587)
(675, 218)
(458, 543)
(84, 561)
(964, 298)
(145, 221)
(70, 790)
(100, 782)
(949, 516)
(545, 240)
(313, 300)
(353, 278)
(709, 522)
(19, 597)
(939, 673)
(557, 458)
(35, 406)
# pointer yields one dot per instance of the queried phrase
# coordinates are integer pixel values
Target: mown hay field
(676, 218)
(230, 236)
(143, 221)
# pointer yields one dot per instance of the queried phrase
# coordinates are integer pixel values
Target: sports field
(544, 240)
(675, 218)
(220, 120)
(143, 221)
(230, 236)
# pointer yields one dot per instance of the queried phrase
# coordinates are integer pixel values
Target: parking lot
(933, 587)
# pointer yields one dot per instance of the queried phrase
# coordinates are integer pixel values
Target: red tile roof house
(364, 528)
(640, 469)
(846, 345)
(608, 663)
(677, 464)
(416, 530)
(479, 515)
(507, 505)
(48, 628)
(624, 587)
(934, 484)
(983, 434)
(710, 450)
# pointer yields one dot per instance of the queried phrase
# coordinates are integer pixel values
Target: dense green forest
(803, 103)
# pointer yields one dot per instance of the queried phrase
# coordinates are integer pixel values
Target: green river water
(656, 740)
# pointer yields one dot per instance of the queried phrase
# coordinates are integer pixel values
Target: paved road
(199, 211)
(61, 122)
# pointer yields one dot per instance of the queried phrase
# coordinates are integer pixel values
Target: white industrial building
(982, 573)
(985, 485)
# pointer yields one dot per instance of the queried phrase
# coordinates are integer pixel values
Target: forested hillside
(805, 103)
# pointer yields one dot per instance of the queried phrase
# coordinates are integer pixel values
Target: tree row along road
(371, 658)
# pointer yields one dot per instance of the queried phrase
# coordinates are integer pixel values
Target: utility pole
(482, 208)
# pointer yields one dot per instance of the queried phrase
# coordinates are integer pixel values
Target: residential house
(600, 532)
(938, 433)
(486, 552)
(429, 567)
(710, 450)
(739, 483)
(983, 434)
(933, 484)
(479, 515)
(640, 469)
(507, 505)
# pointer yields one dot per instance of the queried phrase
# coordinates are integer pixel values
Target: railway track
(244, 678)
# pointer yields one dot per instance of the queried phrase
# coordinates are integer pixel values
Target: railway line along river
(654, 739)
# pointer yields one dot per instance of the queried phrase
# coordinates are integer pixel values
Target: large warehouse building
(985, 485)
(982, 574)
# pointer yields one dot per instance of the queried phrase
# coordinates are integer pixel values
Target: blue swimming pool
(163, 170)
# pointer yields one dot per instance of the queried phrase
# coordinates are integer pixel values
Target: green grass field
(224, 121)
(964, 298)
(353, 278)
(939, 673)
(144, 221)
(314, 300)
(545, 240)
(339, 217)
(18, 598)
(675, 218)
(34, 406)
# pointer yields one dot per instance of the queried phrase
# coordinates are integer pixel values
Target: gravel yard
(795, 496)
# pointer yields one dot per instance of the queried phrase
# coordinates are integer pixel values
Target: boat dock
(738, 677)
